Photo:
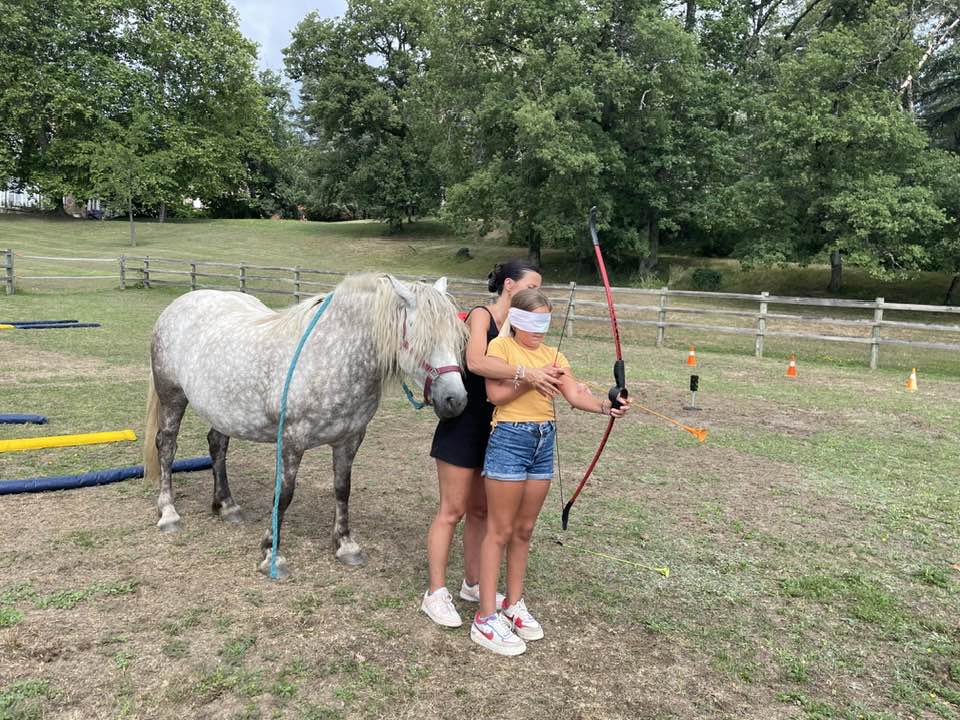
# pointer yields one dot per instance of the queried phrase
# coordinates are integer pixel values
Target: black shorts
(462, 441)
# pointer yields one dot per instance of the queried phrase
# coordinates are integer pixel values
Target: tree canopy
(772, 130)
(133, 100)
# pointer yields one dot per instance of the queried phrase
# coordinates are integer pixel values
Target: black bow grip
(619, 390)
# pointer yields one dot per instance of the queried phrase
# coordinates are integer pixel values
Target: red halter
(432, 372)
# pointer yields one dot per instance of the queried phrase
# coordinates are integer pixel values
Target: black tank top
(475, 384)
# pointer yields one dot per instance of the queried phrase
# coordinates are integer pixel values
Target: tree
(196, 88)
(547, 108)
(833, 165)
(58, 71)
(175, 73)
(119, 171)
(276, 173)
(361, 111)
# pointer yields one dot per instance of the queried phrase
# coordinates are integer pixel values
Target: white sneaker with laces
(438, 606)
(494, 634)
(522, 622)
(471, 593)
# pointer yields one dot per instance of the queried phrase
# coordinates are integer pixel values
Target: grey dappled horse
(227, 354)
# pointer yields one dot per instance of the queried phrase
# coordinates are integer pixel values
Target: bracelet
(604, 410)
(518, 375)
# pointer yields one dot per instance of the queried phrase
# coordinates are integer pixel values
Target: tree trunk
(836, 271)
(163, 211)
(534, 246)
(690, 21)
(59, 207)
(653, 242)
(133, 228)
(951, 298)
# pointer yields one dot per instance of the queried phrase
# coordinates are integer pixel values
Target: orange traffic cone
(792, 367)
(912, 381)
(692, 357)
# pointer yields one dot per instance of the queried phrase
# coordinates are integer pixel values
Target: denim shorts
(520, 451)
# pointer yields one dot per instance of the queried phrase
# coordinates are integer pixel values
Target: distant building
(16, 200)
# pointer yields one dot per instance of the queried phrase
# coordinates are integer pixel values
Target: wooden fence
(635, 306)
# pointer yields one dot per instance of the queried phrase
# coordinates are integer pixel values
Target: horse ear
(441, 286)
(403, 291)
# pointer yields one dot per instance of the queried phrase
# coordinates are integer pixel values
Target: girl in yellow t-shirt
(518, 468)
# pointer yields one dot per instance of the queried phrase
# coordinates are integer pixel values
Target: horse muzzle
(448, 395)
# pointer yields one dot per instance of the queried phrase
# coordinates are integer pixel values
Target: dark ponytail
(513, 269)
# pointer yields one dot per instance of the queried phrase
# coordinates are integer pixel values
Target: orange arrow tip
(701, 434)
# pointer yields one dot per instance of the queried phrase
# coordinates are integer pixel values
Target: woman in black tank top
(459, 444)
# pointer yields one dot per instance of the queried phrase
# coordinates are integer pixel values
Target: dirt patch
(25, 367)
(163, 647)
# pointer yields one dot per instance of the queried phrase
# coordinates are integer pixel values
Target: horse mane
(435, 320)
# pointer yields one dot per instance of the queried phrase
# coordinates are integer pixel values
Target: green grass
(9, 617)
(235, 650)
(24, 700)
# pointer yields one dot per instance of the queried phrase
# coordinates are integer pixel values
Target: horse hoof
(231, 514)
(282, 572)
(169, 521)
(353, 558)
(169, 527)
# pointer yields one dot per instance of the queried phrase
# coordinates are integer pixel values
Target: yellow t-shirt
(531, 406)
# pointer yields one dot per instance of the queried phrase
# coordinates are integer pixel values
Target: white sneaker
(439, 607)
(471, 593)
(494, 634)
(522, 622)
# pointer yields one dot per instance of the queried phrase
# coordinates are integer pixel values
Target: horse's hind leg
(291, 463)
(345, 549)
(171, 412)
(223, 503)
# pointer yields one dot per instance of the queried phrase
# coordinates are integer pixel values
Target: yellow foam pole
(7, 327)
(54, 441)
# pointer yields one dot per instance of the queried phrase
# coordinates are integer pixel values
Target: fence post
(296, 284)
(875, 339)
(662, 317)
(123, 272)
(243, 278)
(761, 324)
(8, 266)
(146, 272)
(571, 310)
(193, 276)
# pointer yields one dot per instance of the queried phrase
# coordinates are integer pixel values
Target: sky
(270, 22)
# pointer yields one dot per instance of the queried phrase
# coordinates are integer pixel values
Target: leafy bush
(707, 279)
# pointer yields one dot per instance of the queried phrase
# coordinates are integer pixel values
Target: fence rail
(640, 307)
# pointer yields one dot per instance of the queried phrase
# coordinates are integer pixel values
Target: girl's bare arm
(585, 400)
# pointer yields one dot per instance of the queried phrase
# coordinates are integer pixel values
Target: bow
(619, 388)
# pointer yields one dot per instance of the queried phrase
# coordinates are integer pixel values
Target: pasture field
(428, 248)
(813, 543)
(423, 247)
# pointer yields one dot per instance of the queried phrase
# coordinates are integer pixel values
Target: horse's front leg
(345, 549)
(291, 463)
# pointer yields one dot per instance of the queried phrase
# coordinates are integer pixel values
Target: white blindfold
(535, 322)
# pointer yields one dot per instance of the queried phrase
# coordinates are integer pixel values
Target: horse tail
(151, 456)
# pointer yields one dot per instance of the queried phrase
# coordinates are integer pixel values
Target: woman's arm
(478, 362)
(544, 380)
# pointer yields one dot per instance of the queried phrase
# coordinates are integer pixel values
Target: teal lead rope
(275, 520)
(413, 401)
